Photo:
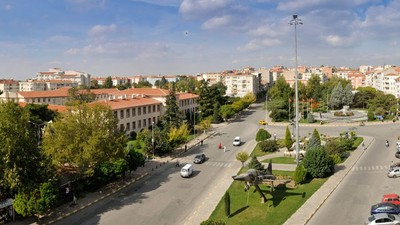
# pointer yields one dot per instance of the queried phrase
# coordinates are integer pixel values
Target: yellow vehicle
(262, 122)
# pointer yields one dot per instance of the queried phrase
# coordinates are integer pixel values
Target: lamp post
(296, 21)
(152, 136)
(194, 122)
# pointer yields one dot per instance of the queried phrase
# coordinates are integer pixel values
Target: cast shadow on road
(134, 193)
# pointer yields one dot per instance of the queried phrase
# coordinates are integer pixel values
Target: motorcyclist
(387, 143)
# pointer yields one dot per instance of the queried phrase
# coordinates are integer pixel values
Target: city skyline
(154, 37)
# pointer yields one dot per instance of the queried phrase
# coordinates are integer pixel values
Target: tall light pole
(296, 21)
(152, 136)
(194, 122)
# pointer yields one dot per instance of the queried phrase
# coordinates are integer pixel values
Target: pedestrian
(177, 163)
(320, 115)
(224, 148)
(274, 137)
(201, 143)
(220, 146)
(185, 148)
(363, 146)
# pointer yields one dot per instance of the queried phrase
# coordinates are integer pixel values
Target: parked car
(187, 170)
(200, 158)
(392, 198)
(237, 141)
(394, 172)
(262, 122)
(385, 207)
(383, 218)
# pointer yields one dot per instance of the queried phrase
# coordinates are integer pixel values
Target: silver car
(394, 172)
(384, 219)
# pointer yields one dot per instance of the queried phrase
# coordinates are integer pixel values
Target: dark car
(385, 207)
(199, 158)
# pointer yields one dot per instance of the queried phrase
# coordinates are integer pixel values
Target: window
(144, 110)
(133, 125)
(134, 112)
(121, 114)
(128, 113)
(128, 126)
(154, 108)
(121, 126)
(140, 111)
(144, 123)
(139, 124)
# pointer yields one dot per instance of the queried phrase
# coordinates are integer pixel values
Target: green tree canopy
(84, 137)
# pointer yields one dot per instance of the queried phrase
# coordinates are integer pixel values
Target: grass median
(246, 207)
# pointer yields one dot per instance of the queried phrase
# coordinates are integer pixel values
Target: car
(392, 198)
(385, 207)
(262, 122)
(394, 172)
(237, 141)
(383, 218)
(200, 158)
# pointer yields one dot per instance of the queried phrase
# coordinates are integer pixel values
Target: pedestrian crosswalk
(371, 168)
(208, 163)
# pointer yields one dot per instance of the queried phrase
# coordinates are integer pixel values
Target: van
(187, 170)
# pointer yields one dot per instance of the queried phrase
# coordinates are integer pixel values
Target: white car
(237, 141)
(394, 172)
(384, 219)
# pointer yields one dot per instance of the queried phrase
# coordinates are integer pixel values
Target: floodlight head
(294, 17)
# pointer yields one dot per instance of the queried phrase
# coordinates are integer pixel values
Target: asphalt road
(365, 184)
(166, 198)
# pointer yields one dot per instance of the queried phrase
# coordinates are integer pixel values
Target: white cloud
(8, 7)
(199, 8)
(101, 30)
(217, 22)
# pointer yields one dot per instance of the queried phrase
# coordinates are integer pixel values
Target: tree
(363, 96)
(227, 199)
(347, 95)
(336, 98)
(135, 159)
(142, 84)
(79, 96)
(299, 174)
(22, 164)
(108, 83)
(313, 88)
(288, 142)
(262, 135)
(226, 112)
(172, 117)
(178, 135)
(36, 201)
(242, 157)
(315, 140)
(370, 115)
(84, 137)
(318, 163)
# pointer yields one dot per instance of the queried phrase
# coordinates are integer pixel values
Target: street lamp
(152, 136)
(296, 21)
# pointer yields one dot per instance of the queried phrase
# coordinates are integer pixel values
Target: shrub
(213, 222)
(262, 135)
(332, 147)
(336, 158)
(242, 157)
(255, 164)
(299, 174)
(132, 135)
(227, 199)
(370, 115)
(318, 163)
(268, 146)
(310, 118)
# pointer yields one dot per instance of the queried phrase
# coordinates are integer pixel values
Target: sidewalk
(91, 198)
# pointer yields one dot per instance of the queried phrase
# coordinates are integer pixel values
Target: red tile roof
(128, 102)
(61, 92)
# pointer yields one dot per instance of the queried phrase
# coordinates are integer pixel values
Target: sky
(170, 37)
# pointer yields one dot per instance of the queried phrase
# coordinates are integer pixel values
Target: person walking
(224, 148)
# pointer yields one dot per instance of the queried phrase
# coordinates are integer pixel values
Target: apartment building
(9, 85)
(45, 85)
(69, 75)
(240, 84)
